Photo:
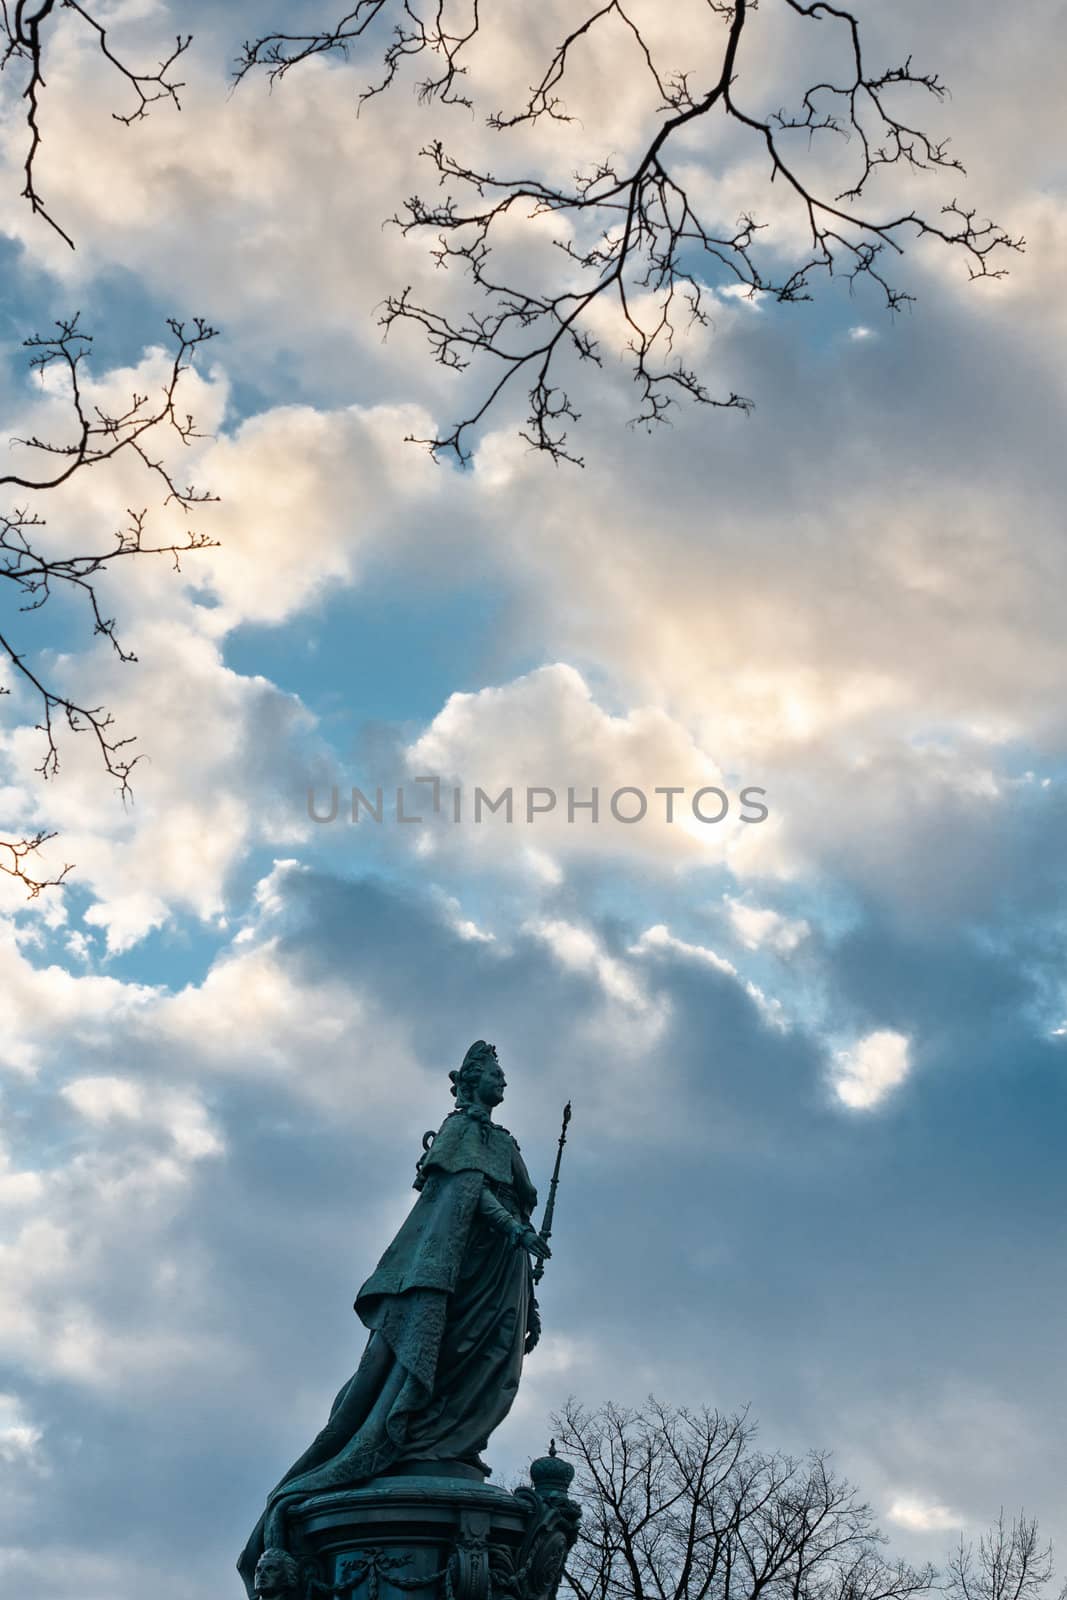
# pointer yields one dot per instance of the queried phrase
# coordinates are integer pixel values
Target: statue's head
(480, 1080)
(277, 1575)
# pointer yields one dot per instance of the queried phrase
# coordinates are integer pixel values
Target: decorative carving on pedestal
(278, 1576)
(468, 1567)
(534, 1570)
(431, 1539)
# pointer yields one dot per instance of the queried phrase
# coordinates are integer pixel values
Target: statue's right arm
(498, 1216)
(521, 1233)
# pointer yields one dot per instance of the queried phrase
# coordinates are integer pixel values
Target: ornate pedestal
(428, 1535)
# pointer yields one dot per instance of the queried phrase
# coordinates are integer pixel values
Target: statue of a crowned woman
(450, 1309)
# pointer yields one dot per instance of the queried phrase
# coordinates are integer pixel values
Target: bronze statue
(451, 1312)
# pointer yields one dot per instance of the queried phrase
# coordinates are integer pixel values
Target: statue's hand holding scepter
(528, 1237)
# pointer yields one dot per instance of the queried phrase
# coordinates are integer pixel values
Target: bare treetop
(638, 237)
(681, 1504)
(1010, 1563)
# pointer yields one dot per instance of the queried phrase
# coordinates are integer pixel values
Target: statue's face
(491, 1083)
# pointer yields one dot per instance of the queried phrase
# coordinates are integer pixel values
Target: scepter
(550, 1208)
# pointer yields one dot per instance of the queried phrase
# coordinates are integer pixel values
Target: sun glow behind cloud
(865, 1074)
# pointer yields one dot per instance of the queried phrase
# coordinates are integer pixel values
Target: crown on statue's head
(480, 1051)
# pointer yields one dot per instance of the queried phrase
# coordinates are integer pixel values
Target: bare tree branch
(15, 854)
(419, 30)
(30, 575)
(25, 24)
(100, 435)
(637, 236)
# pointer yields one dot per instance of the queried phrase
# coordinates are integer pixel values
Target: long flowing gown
(448, 1308)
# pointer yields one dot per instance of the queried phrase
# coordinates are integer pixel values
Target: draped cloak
(448, 1308)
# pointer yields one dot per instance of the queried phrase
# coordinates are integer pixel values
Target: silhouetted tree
(1010, 1563)
(683, 1505)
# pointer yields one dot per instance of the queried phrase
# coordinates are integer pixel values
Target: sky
(817, 1061)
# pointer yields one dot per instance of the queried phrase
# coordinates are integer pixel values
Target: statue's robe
(448, 1307)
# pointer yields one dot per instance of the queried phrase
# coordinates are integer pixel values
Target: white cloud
(743, 294)
(215, 782)
(545, 738)
(917, 1515)
(659, 939)
(758, 926)
(465, 926)
(19, 1437)
(306, 494)
(45, 1006)
(104, 1219)
(19, 1188)
(178, 1113)
(579, 949)
(864, 1075)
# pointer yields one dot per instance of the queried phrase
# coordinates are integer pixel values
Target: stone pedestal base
(424, 1535)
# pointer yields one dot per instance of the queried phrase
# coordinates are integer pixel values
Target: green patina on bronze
(450, 1311)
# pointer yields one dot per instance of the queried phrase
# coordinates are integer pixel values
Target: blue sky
(817, 1063)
